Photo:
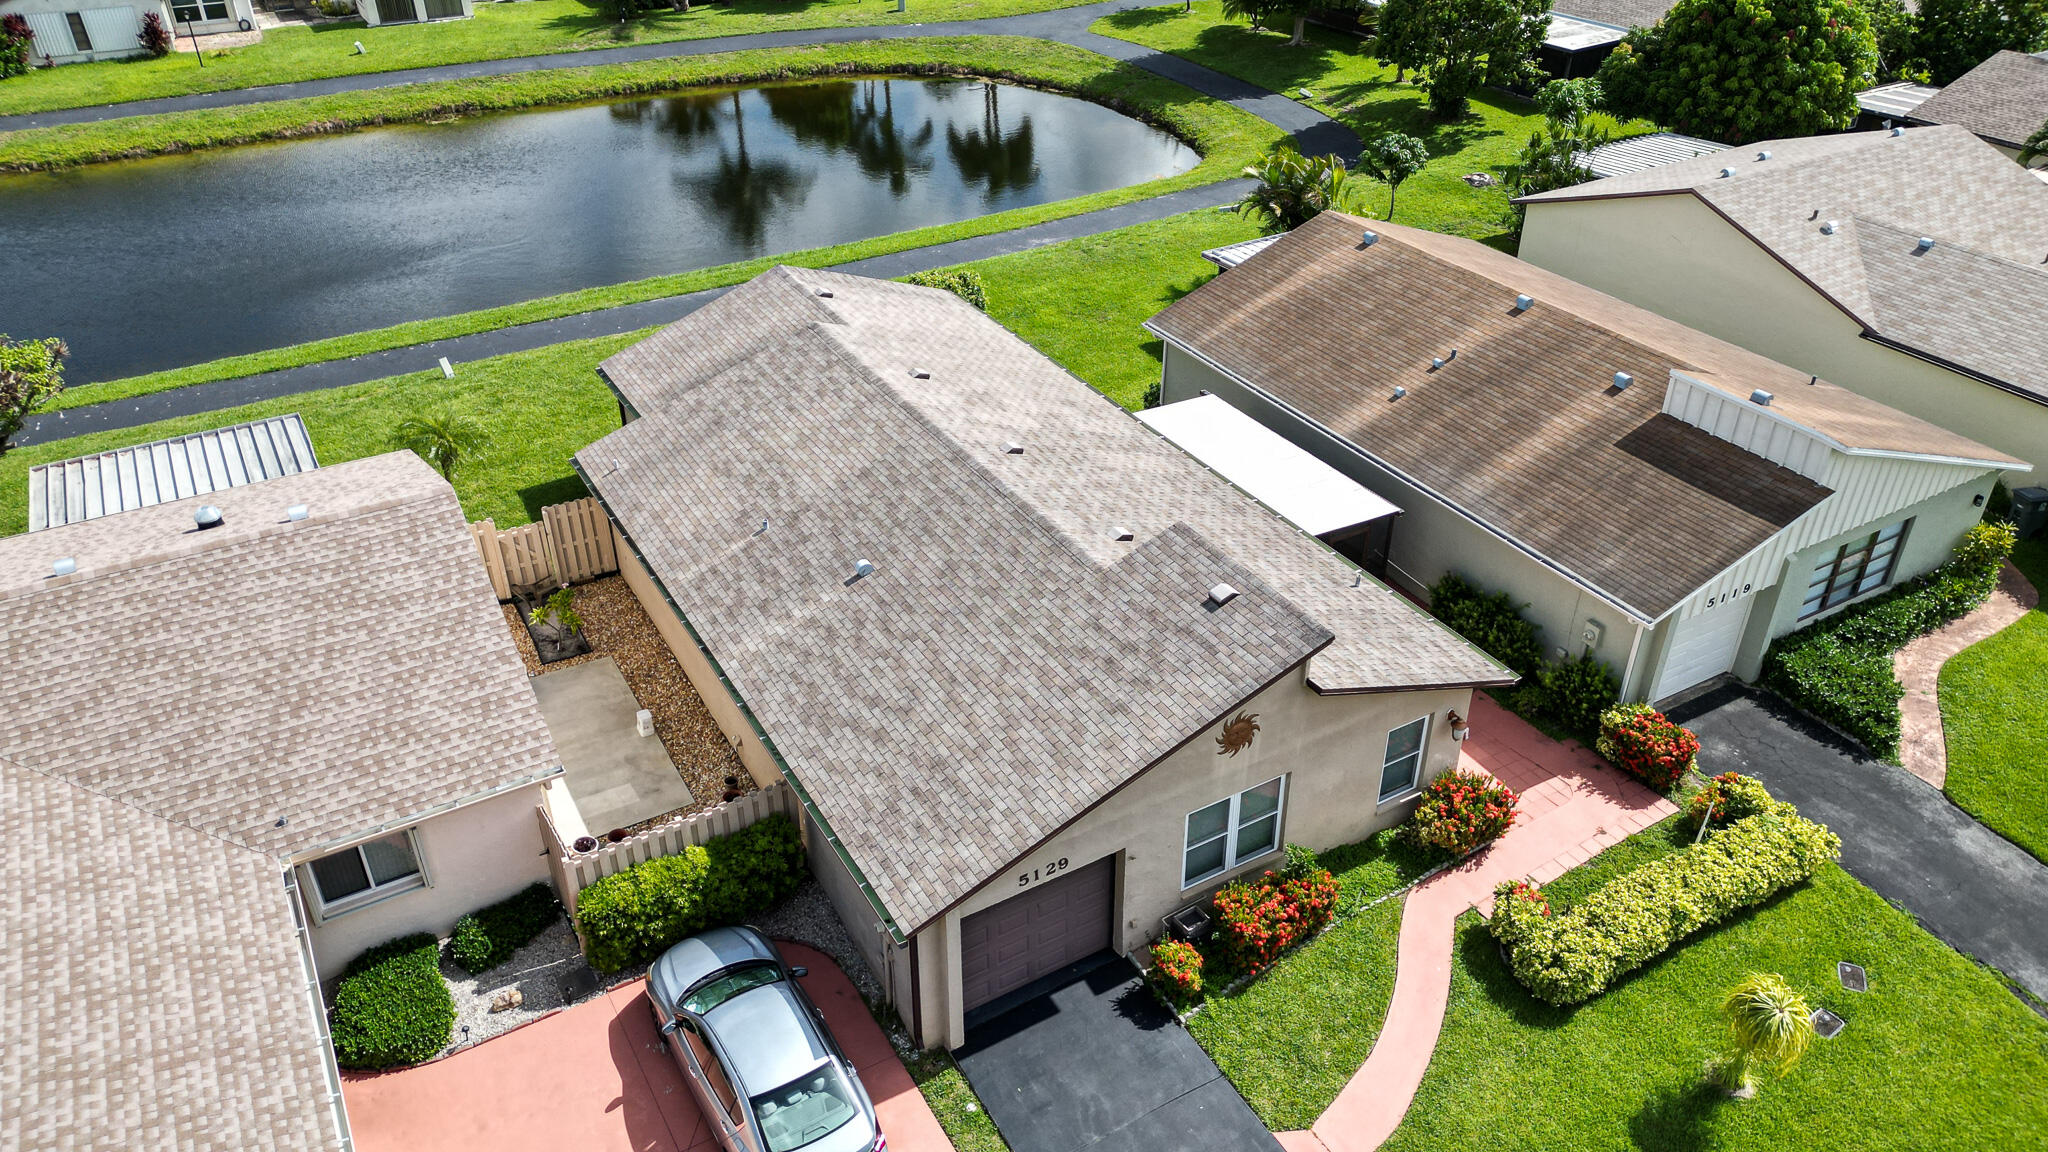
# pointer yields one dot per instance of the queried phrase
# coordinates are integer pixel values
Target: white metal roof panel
(1895, 100)
(1313, 496)
(88, 487)
(1571, 34)
(1231, 255)
(1650, 150)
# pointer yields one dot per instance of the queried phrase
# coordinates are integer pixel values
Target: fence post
(485, 533)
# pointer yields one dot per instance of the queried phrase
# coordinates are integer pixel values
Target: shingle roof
(1940, 182)
(1009, 662)
(342, 672)
(1522, 428)
(1619, 13)
(2004, 99)
(152, 982)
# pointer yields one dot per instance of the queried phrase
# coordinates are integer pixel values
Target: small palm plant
(442, 437)
(1771, 1025)
(1293, 189)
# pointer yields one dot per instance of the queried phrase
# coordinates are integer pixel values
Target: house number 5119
(1049, 868)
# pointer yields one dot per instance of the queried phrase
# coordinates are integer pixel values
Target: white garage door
(1702, 648)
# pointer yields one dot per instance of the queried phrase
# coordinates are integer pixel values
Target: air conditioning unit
(1192, 924)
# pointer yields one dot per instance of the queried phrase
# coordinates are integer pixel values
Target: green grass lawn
(1937, 1055)
(1347, 84)
(1991, 697)
(1292, 1038)
(953, 1101)
(531, 28)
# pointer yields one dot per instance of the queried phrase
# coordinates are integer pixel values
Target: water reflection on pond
(156, 263)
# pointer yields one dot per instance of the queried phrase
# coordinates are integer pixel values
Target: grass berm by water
(498, 31)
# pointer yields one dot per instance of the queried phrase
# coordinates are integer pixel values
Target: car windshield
(730, 984)
(804, 1109)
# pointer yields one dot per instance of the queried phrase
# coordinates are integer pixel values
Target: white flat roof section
(1231, 255)
(1650, 150)
(1571, 34)
(1895, 100)
(1310, 494)
(89, 487)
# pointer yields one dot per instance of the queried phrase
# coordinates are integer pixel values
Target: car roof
(767, 1037)
(703, 954)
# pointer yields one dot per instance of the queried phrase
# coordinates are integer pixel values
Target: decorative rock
(1481, 179)
(507, 1000)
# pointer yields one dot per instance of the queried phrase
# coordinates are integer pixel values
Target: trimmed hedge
(962, 282)
(391, 1007)
(1491, 620)
(487, 937)
(1636, 917)
(634, 916)
(1840, 669)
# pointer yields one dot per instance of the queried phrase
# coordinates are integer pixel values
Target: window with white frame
(198, 11)
(1864, 564)
(1231, 831)
(367, 872)
(1401, 767)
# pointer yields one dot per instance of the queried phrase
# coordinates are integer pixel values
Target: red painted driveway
(596, 1078)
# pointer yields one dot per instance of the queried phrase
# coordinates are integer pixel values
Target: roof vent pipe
(1831, 227)
(1369, 239)
(1524, 302)
(64, 566)
(1926, 242)
(1012, 448)
(208, 517)
(1763, 155)
(1898, 131)
(1760, 398)
(920, 374)
(862, 568)
(1399, 392)
(1727, 172)
(297, 512)
(1222, 594)
(1622, 380)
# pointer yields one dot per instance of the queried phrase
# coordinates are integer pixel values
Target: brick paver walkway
(1573, 807)
(1923, 748)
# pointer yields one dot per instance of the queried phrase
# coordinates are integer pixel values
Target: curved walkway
(1574, 806)
(1923, 748)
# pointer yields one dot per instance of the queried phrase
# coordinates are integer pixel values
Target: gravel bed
(807, 917)
(537, 970)
(617, 627)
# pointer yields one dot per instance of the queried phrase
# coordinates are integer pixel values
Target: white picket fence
(572, 543)
(574, 871)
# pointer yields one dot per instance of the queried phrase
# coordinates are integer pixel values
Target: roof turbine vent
(1763, 155)
(1524, 302)
(862, 568)
(64, 566)
(1622, 380)
(1898, 131)
(208, 517)
(297, 512)
(1727, 172)
(1369, 239)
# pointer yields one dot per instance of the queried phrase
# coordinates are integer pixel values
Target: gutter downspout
(1633, 645)
(860, 879)
(319, 1006)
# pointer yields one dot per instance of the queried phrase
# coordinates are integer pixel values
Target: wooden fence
(572, 543)
(574, 871)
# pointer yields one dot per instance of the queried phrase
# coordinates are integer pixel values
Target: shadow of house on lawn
(560, 490)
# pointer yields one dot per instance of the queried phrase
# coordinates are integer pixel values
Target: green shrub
(1575, 693)
(391, 1006)
(963, 282)
(1840, 669)
(632, 917)
(487, 937)
(1731, 796)
(1636, 917)
(1491, 620)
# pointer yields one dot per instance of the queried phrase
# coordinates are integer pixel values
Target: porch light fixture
(1461, 729)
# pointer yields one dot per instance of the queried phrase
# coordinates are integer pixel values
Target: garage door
(1702, 648)
(1008, 946)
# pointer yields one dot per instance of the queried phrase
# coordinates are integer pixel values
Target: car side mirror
(669, 1029)
(799, 972)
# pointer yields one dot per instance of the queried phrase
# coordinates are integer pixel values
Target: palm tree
(1772, 1026)
(442, 437)
(1293, 188)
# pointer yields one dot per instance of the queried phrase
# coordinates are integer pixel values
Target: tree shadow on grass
(1678, 1117)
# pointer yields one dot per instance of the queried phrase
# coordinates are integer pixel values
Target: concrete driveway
(1902, 837)
(596, 1078)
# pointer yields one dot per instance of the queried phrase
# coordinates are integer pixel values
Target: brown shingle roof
(152, 982)
(2004, 99)
(1522, 429)
(1009, 662)
(343, 672)
(1939, 182)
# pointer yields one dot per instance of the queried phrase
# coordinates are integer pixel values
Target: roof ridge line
(60, 778)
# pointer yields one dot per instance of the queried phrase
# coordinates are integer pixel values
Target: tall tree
(31, 374)
(1258, 12)
(1896, 28)
(1743, 70)
(1570, 130)
(1957, 35)
(1391, 158)
(2037, 145)
(1454, 46)
(1293, 188)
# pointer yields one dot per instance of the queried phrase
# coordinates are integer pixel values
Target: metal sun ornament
(1237, 735)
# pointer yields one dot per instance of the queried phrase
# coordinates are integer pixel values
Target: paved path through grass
(1923, 748)
(1573, 808)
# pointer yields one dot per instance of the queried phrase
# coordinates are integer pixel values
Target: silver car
(766, 1071)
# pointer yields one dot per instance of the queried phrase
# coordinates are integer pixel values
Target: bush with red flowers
(1257, 920)
(1462, 811)
(1640, 741)
(1176, 972)
(1518, 906)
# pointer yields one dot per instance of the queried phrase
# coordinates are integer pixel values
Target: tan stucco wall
(1675, 256)
(1429, 538)
(1328, 747)
(472, 856)
(717, 699)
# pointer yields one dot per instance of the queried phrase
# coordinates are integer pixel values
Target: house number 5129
(1049, 868)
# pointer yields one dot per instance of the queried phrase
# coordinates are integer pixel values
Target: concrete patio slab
(616, 776)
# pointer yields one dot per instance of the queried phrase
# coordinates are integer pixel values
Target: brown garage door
(1008, 946)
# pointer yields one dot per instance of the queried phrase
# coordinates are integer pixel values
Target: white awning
(88, 487)
(1315, 497)
(1571, 34)
(1895, 100)
(1231, 255)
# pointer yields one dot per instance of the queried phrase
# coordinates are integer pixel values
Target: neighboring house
(230, 759)
(1908, 267)
(1583, 33)
(1038, 678)
(2004, 101)
(1890, 105)
(1659, 499)
(104, 483)
(375, 12)
(1650, 150)
(74, 31)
